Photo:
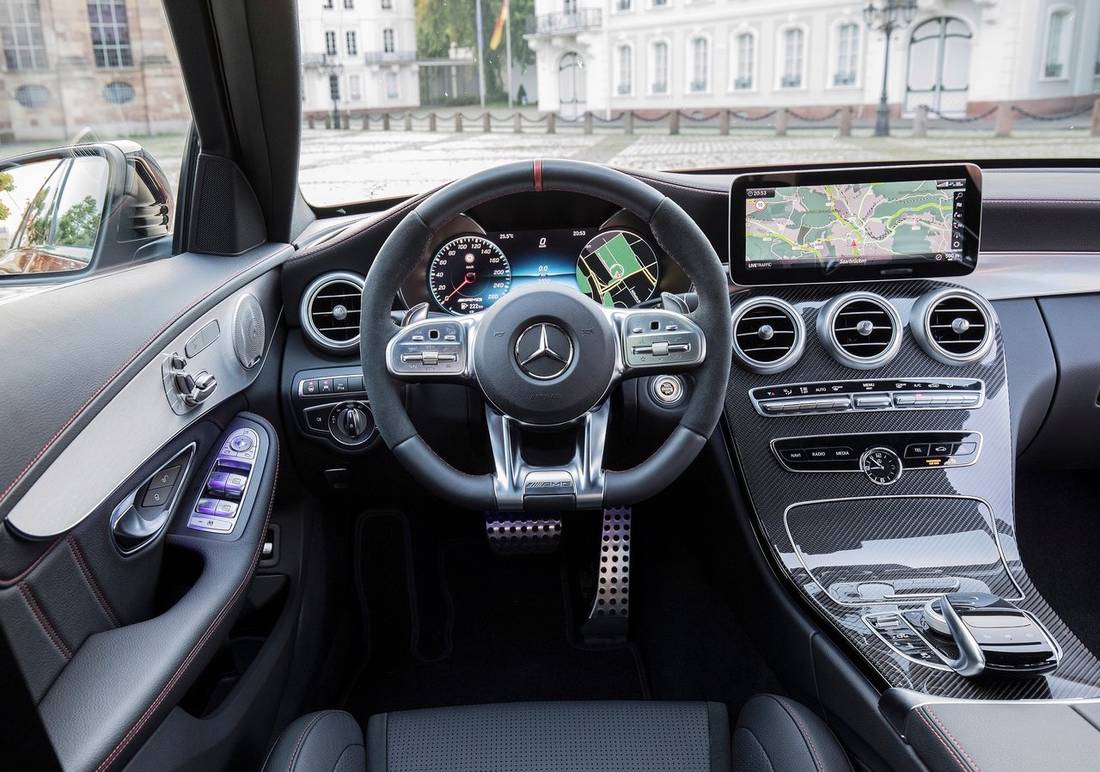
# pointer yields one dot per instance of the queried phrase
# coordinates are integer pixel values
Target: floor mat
(457, 624)
(1056, 513)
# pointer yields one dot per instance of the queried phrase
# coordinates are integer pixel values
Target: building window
(110, 33)
(352, 43)
(391, 85)
(660, 3)
(700, 66)
(118, 93)
(334, 87)
(21, 34)
(744, 72)
(625, 81)
(623, 5)
(387, 41)
(1059, 42)
(660, 67)
(32, 95)
(794, 42)
(847, 54)
(327, 5)
(349, 4)
(569, 7)
(330, 43)
(387, 5)
(355, 88)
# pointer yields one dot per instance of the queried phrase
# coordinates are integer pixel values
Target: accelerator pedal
(517, 536)
(610, 614)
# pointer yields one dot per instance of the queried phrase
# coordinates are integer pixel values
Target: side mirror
(74, 209)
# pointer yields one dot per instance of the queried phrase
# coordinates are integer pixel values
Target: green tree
(7, 184)
(78, 226)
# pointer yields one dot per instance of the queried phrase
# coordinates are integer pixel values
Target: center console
(869, 420)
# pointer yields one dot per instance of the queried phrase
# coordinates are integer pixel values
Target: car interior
(553, 466)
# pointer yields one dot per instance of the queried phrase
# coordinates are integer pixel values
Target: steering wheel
(547, 357)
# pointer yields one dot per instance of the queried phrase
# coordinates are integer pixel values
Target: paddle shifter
(984, 633)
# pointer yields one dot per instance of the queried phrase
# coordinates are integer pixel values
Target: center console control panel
(870, 395)
(331, 404)
(880, 455)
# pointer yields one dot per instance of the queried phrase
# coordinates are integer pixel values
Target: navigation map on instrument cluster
(854, 222)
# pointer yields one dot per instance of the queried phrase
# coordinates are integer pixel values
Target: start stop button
(668, 390)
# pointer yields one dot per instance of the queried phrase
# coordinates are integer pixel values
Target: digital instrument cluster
(470, 272)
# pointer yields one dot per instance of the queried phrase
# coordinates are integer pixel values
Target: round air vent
(330, 311)
(768, 334)
(860, 329)
(249, 331)
(953, 326)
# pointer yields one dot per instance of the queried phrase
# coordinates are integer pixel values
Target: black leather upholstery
(545, 736)
(329, 740)
(775, 734)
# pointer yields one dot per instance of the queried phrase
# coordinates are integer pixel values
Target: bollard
(366, 121)
(518, 123)
(1096, 118)
(487, 122)
(1002, 121)
(674, 122)
(328, 121)
(724, 123)
(408, 121)
(551, 123)
(628, 122)
(845, 122)
(781, 122)
(587, 123)
(920, 121)
(347, 121)
(385, 121)
(458, 123)
(431, 122)
(310, 121)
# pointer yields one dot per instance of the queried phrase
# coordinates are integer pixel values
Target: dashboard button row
(316, 387)
(845, 396)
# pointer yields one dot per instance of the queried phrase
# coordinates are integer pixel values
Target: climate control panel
(868, 396)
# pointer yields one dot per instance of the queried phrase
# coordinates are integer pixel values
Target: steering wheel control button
(544, 351)
(655, 338)
(667, 390)
(428, 348)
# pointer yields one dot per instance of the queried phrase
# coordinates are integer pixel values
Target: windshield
(398, 96)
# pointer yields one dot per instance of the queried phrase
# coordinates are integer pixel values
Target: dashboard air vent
(330, 311)
(860, 329)
(953, 326)
(768, 334)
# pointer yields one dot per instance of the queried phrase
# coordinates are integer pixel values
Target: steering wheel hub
(545, 355)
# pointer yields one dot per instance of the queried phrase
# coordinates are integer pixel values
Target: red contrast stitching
(118, 372)
(951, 737)
(805, 733)
(34, 564)
(107, 762)
(302, 741)
(44, 621)
(952, 752)
(93, 585)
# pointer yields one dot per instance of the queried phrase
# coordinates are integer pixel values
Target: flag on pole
(498, 28)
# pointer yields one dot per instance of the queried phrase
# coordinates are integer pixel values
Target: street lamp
(332, 69)
(887, 16)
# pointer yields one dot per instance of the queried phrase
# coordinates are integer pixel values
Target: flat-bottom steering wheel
(546, 356)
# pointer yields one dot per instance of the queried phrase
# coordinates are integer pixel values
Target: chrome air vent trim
(858, 322)
(322, 319)
(953, 325)
(779, 323)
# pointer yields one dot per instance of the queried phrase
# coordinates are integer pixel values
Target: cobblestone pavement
(354, 165)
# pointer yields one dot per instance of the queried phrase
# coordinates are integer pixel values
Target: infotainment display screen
(855, 224)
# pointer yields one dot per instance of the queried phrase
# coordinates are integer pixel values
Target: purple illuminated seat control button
(234, 484)
(216, 483)
(207, 506)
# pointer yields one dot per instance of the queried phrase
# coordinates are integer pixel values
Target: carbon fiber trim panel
(838, 513)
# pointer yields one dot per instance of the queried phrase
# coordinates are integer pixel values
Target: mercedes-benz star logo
(544, 351)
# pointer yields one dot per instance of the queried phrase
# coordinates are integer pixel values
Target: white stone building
(360, 54)
(955, 56)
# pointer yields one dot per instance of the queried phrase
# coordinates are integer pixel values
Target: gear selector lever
(992, 635)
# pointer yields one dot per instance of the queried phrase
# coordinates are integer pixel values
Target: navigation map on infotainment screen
(854, 223)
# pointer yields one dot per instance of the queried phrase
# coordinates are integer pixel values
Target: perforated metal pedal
(610, 614)
(509, 536)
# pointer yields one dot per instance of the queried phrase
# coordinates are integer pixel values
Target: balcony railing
(390, 57)
(318, 60)
(582, 20)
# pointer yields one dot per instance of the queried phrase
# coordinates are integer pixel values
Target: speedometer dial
(469, 274)
(617, 269)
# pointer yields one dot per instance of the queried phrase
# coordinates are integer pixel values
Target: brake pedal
(609, 617)
(515, 536)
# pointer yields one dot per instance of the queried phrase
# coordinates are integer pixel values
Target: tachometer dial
(617, 268)
(469, 274)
